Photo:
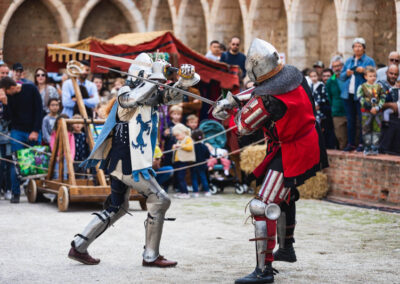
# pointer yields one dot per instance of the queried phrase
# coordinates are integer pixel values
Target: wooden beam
(67, 152)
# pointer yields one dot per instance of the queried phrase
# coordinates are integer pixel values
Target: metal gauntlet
(221, 109)
(128, 98)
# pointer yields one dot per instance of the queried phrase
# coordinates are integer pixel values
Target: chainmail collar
(288, 79)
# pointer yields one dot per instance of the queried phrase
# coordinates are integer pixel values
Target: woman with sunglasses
(46, 91)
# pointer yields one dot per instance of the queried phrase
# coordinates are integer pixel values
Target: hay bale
(251, 157)
(315, 187)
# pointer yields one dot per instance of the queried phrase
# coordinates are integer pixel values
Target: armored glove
(188, 76)
(221, 109)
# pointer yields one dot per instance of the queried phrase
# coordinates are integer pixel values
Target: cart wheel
(31, 191)
(213, 189)
(240, 189)
(63, 199)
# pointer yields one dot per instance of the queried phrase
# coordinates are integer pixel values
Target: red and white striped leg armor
(272, 191)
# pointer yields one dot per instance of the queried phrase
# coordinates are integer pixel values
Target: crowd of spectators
(356, 106)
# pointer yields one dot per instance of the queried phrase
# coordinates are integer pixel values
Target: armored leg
(104, 219)
(285, 228)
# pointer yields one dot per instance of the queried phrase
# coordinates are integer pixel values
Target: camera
(374, 101)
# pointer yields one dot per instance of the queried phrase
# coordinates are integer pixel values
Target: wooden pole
(82, 110)
(67, 152)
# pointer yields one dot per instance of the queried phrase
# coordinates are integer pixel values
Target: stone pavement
(209, 239)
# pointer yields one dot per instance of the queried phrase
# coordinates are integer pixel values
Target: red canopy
(227, 76)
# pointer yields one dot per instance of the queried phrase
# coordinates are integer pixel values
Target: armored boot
(285, 239)
(259, 276)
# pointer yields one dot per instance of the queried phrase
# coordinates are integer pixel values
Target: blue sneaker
(360, 148)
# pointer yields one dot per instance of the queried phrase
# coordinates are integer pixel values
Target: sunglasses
(394, 60)
(40, 75)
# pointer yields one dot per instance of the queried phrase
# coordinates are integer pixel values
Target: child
(192, 121)
(202, 154)
(218, 153)
(318, 91)
(71, 145)
(119, 82)
(184, 153)
(81, 146)
(48, 121)
(175, 117)
(371, 98)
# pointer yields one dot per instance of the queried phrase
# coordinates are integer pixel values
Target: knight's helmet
(141, 67)
(262, 61)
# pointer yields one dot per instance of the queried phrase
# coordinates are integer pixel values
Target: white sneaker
(195, 194)
(8, 195)
(226, 172)
(183, 196)
(207, 194)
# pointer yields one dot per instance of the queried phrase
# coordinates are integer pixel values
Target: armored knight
(282, 105)
(131, 131)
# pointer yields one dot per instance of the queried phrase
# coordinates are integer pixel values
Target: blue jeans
(199, 172)
(353, 113)
(23, 137)
(164, 177)
(179, 177)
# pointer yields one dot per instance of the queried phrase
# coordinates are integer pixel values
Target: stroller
(217, 179)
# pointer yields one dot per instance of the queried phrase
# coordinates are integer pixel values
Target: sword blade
(101, 55)
(189, 94)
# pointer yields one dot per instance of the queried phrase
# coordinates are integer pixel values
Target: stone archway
(312, 32)
(268, 21)
(226, 21)
(191, 25)
(29, 29)
(101, 21)
(373, 20)
(160, 17)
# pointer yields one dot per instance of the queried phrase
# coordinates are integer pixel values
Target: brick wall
(359, 177)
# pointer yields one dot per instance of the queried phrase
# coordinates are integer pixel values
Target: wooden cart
(94, 189)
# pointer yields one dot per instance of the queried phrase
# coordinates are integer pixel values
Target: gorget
(288, 79)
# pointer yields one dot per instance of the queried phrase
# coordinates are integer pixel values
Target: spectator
(46, 91)
(184, 153)
(192, 121)
(5, 152)
(48, 121)
(334, 87)
(323, 109)
(326, 74)
(319, 67)
(353, 75)
(394, 58)
(68, 92)
(98, 81)
(81, 146)
(162, 178)
(119, 82)
(214, 52)
(18, 74)
(391, 91)
(222, 48)
(4, 70)
(200, 171)
(234, 57)
(64, 77)
(23, 108)
(175, 117)
(218, 154)
(371, 98)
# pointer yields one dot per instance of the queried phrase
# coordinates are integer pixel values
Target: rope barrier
(208, 138)
(204, 162)
(26, 145)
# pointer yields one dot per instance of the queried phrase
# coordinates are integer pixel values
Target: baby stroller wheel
(240, 189)
(213, 189)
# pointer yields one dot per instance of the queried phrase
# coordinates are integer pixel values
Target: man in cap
(353, 76)
(319, 67)
(18, 74)
(393, 59)
(68, 92)
(282, 105)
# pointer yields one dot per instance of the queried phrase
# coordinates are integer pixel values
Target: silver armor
(281, 229)
(262, 59)
(231, 101)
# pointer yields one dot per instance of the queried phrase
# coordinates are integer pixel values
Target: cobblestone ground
(334, 244)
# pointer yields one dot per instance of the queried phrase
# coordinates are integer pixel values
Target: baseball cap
(17, 66)
(359, 40)
(319, 63)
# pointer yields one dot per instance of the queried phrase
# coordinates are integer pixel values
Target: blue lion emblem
(144, 126)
